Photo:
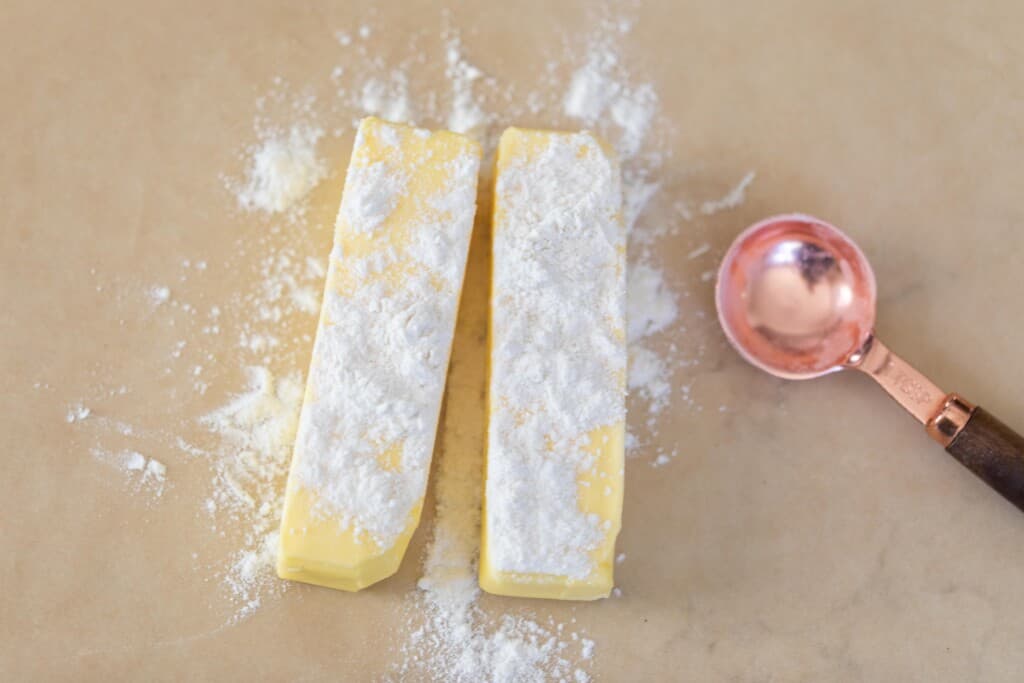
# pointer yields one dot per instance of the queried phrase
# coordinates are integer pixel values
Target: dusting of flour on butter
(556, 314)
(379, 364)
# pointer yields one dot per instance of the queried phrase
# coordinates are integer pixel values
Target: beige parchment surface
(810, 532)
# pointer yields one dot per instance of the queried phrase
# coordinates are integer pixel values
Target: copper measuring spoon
(796, 297)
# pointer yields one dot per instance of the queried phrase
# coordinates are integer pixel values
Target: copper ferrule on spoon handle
(950, 420)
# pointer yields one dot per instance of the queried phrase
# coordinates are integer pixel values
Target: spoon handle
(981, 443)
(992, 451)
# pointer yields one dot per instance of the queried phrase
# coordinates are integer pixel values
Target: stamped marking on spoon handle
(912, 390)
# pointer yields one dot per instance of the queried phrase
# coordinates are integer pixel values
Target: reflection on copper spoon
(796, 297)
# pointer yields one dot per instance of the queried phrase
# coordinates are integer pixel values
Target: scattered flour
(592, 89)
(648, 375)
(306, 299)
(256, 430)
(650, 304)
(466, 115)
(699, 251)
(601, 89)
(283, 169)
(76, 413)
(388, 98)
(146, 475)
(732, 199)
(159, 294)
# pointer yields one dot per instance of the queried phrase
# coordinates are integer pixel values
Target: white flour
(282, 170)
(466, 114)
(731, 200)
(652, 309)
(159, 294)
(146, 475)
(600, 91)
(648, 376)
(256, 430)
(651, 305)
(76, 413)
(373, 195)
(388, 97)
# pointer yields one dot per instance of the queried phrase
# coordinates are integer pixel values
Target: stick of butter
(376, 378)
(557, 385)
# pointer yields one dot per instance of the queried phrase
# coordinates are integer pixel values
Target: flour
(388, 98)
(648, 375)
(144, 474)
(250, 575)
(77, 412)
(600, 89)
(466, 115)
(732, 199)
(637, 192)
(651, 304)
(699, 251)
(256, 430)
(653, 312)
(306, 299)
(248, 440)
(592, 89)
(373, 195)
(282, 169)
(159, 294)
(632, 112)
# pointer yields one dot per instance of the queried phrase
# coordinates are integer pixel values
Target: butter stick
(373, 394)
(557, 384)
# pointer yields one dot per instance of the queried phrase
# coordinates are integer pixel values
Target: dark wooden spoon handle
(994, 452)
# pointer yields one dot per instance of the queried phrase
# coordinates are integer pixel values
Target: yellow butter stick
(376, 378)
(557, 383)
